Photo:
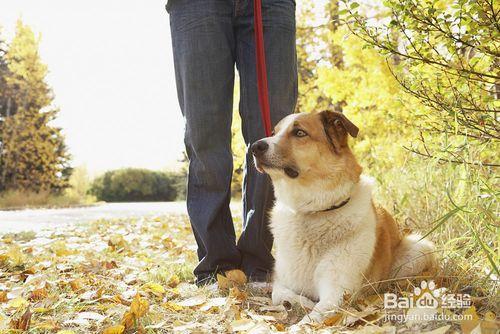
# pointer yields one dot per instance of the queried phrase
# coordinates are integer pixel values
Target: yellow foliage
(154, 288)
(139, 306)
(118, 329)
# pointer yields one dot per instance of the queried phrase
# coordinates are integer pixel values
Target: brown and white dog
(330, 237)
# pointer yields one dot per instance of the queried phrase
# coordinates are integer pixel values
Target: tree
(447, 55)
(33, 154)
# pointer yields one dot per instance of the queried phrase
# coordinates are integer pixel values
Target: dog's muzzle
(259, 149)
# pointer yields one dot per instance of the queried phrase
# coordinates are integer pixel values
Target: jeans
(209, 38)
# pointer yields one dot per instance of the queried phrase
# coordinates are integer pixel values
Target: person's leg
(256, 240)
(203, 46)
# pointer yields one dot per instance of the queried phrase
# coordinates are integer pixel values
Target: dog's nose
(259, 148)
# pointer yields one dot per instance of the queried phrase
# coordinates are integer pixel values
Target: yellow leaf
(489, 324)
(7, 240)
(38, 294)
(18, 303)
(128, 320)
(15, 256)
(139, 306)
(116, 241)
(173, 281)
(23, 323)
(469, 324)
(223, 282)
(333, 320)
(65, 331)
(236, 276)
(237, 294)
(168, 243)
(118, 329)
(3, 296)
(41, 310)
(280, 327)
(76, 284)
(60, 249)
(154, 288)
(173, 306)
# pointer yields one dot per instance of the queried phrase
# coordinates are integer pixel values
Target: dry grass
(24, 199)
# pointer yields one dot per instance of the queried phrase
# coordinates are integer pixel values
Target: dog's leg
(326, 306)
(335, 276)
(281, 294)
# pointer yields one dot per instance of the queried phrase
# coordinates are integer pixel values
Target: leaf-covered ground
(134, 276)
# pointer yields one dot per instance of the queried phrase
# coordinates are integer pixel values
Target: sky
(111, 69)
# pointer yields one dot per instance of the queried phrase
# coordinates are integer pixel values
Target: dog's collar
(338, 206)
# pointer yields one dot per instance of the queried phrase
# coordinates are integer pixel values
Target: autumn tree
(33, 154)
(448, 57)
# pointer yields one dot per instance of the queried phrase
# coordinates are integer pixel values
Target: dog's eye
(300, 133)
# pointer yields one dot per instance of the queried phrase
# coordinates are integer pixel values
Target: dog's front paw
(278, 297)
(312, 317)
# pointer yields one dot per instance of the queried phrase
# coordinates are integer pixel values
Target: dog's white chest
(298, 252)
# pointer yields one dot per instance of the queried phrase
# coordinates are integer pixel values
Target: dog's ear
(337, 126)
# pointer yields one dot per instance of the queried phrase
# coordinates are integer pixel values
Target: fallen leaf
(18, 303)
(168, 243)
(242, 325)
(22, 323)
(279, 327)
(489, 324)
(41, 310)
(440, 330)
(3, 296)
(213, 303)
(231, 278)
(333, 320)
(223, 282)
(236, 276)
(353, 315)
(118, 329)
(109, 265)
(235, 293)
(193, 301)
(260, 328)
(76, 284)
(173, 306)
(117, 242)
(469, 324)
(154, 288)
(128, 320)
(90, 316)
(139, 306)
(14, 256)
(48, 325)
(59, 248)
(38, 294)
(173, 281)
(418, 315)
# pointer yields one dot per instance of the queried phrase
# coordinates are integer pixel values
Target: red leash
(261, 67)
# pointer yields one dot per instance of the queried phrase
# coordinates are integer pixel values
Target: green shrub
(137, 185)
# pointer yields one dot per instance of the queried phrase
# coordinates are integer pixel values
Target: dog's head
(308, 149)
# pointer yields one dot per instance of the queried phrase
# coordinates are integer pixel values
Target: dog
(330, 237)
